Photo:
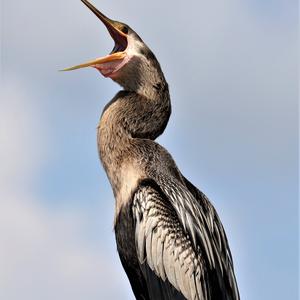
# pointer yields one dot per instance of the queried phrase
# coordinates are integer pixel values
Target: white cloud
(44, 254)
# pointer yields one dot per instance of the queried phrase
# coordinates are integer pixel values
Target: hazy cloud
(44, 254)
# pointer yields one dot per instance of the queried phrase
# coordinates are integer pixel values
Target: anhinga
(171, 242)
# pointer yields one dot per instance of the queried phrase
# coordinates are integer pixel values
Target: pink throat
(110, 69)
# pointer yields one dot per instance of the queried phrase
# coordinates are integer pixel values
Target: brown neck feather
(130, 116)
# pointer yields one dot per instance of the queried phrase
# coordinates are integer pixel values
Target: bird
(169, 237)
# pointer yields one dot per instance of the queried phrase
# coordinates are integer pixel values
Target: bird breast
(130, 176)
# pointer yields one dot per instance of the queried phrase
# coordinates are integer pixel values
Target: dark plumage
(171, 242)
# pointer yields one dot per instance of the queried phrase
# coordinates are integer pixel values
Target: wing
(219, 242)
(171, 266)
(181, 247)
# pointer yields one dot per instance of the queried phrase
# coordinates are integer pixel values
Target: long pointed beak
(98, 61)
(111, 25)
(118, 36)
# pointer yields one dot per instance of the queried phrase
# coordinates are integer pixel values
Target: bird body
(169, 237)
(170, 240)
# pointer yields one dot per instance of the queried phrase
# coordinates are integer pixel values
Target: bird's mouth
(117, 58)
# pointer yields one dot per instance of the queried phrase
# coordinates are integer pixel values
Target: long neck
(131, 115)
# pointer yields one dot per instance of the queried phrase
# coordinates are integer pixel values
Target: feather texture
(189, 252)
(168, 249)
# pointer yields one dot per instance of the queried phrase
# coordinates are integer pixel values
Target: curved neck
(127, 117)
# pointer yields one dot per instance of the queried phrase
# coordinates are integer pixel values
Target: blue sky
(233, 73)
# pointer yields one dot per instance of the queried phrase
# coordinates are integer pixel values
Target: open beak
(120, 39)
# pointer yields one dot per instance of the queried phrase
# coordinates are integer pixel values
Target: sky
(232, 68)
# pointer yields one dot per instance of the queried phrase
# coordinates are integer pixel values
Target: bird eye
(124, 29)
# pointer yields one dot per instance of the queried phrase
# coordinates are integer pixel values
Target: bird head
(129, 57)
